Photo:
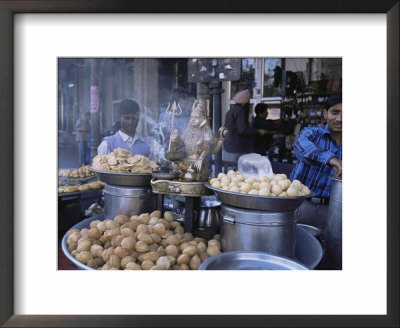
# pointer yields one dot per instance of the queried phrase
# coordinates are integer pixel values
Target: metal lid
(127, 191)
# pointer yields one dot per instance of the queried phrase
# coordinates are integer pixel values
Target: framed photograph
(35, 34)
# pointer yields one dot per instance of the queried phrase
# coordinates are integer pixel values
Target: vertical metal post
(192, 206)
(94, 108)
(216, 92)
(283, 78)
(160, 203)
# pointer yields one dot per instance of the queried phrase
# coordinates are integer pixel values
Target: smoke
(161, 129)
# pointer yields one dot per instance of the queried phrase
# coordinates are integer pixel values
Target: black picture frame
(10, 7)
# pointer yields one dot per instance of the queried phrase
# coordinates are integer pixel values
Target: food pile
(142, 242)
(82, 172)
(83, 187)
(279, 185)
(123, 161)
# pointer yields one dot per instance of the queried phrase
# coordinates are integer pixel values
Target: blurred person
(82, 128)
(319, 154)
(240, 139)
(126, 137)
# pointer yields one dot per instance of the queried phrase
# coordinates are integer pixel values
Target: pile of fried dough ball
(141, 242)
(82, 172)
(123, 161)
(83, 187)
(278, 185)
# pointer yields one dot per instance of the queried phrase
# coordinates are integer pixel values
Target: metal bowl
(123, 179)
(83, 224)
(256, 202)
(308, 252)
(308, 249)
(239, 260)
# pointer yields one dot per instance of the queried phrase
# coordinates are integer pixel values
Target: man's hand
(336, 164)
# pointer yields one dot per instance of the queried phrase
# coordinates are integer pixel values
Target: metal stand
(216, 92)
(192, 205)
(160, 203)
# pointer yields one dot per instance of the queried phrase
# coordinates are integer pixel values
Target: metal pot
(252, 230)
(128, 201)
(333, 234)
(209, 216)
(316, 232)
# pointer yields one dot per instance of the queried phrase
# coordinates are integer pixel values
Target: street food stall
(78, 191)
(188, 209)
(252, 212)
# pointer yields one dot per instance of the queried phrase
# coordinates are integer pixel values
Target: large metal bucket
(333, 235)
(253, 230)
(128, 201)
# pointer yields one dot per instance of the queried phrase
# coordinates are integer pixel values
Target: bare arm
(336, 164)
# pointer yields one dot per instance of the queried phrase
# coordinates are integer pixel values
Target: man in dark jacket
(261, 143)
(240, 140)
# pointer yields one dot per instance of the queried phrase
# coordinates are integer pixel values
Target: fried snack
(83, 187)
(123, 161)
(82, 172)
(278, 186)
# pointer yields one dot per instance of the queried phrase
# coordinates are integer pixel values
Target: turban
(242, 97)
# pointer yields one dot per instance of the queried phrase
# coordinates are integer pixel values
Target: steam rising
(161, 130)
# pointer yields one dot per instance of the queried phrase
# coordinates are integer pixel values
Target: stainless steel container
(256, 202)
(209, 216)
(123, 179)
(250, 261)
(333, 234)
(128, 201)
(253, 230)
(309, 250)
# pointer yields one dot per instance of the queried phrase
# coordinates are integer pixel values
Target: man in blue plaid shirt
(319, 154)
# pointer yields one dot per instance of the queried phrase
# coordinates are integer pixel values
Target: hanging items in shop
(213, 69)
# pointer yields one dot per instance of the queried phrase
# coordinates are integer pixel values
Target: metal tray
(77, 193)
(255, 202)
(123, 179)
(77, 181)
(239, 260)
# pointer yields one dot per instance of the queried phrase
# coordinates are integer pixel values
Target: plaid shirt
(314, 148)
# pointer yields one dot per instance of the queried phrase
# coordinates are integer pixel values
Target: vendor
(319, 154)
(127, 137)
